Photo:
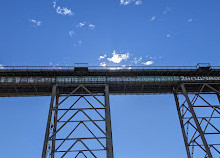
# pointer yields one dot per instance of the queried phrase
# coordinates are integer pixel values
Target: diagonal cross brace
(196, 121)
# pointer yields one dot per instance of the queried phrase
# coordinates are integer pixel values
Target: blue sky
(162, 31)
(107, 33)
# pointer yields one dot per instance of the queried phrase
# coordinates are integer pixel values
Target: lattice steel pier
(199, 115)
(79, 122)
(95, 138)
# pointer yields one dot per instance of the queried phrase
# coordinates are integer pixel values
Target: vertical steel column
(55, 126)
(109, 144)
(46, 139)
(196, 121)
(182, 125)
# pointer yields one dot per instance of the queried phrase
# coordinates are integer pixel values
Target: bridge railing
(100, 67)
(140, 67)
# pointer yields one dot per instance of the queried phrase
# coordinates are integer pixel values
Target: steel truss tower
(79, 124)
(199, 115)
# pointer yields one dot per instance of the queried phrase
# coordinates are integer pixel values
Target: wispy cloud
(91, 26)
(81, 24)
(36, 23)
(167, 10)
(127, 2)
(103, 64)
(153, 18)
(161, 17)
(64, 11)
(78, 43)
(71, 33)
(102, 57)
(189, 20)
(138, 2)
(117, 58)
(54, 4)
(137, 60)
(150, 62)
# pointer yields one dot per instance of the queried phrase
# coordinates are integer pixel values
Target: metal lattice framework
(78, 124)
(199, 116)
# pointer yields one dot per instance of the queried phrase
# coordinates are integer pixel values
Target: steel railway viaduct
(79, 122)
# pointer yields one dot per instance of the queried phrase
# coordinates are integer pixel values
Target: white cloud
(81, 24)
(103, 64)
(189, 20)
(71, 33)
(1, 66)
(54, 4)
(64, 11)
(78, 43)
(124, 2)
(153, 18)
(138, 2)
(35, 22)
(127, 2)
(102, 57)
(137, 60)
(167, 10)
(117, 58)
(148, 62)
(91, 26)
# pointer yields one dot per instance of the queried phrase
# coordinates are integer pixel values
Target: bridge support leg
(199, 115)
(79, 123)
(182, 125)
(46, 139)
(109, 144)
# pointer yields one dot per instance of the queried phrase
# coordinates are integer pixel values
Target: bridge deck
(38, 81)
